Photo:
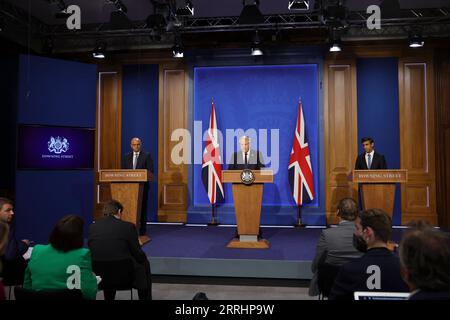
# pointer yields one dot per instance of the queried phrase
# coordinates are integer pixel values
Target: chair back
(115, 274)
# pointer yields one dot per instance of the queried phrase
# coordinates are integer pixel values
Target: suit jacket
(47, 270)
(378, 162)
(335, 247)
(113, 239)
(144, 161)
(255, 161)
(353, 276)
(15, 248)
(431, 295)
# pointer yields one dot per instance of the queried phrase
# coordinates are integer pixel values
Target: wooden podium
(378, 187)
(127, 186)
(247, 203)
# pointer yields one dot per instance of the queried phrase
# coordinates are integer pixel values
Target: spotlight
(99, 51)
(335, 40)
(335, 47)
(177, 49)
(298, 5)
(257, 52)
(416, 41)
(177, 52)
(187, 10)
(256, 48)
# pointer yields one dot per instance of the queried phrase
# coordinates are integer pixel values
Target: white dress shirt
(371, 158)
(135, 159)
(243, 156)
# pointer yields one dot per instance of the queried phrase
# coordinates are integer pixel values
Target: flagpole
(299, 223)
(213, 222)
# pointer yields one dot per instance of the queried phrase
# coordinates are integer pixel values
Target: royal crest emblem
(58, 145)
(247, 176)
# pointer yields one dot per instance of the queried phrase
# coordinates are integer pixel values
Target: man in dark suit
(111, 239)
(138, 159)
(246, 158)
(14, 264)
(370, 160)
(334, 248)
(378, 269)
(425, 263)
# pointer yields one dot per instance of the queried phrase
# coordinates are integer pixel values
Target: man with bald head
(246, 158)
(138, 159)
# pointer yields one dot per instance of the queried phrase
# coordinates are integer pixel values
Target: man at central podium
(370, 160)
(246, 158)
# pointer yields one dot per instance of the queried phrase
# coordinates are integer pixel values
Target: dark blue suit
(353, 276)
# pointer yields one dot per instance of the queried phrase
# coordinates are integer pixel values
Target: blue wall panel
(378, 114)
(140, 118)
(260, 97)
(63, 93)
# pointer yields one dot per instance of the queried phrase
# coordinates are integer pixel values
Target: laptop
(370, 295)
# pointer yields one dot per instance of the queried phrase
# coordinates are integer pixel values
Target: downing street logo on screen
(58, 145)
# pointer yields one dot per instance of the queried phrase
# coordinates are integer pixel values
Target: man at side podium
(370, 160)
(246, 158)
(138, 159)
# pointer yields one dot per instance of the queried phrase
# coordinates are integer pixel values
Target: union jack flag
(300, 170)
(212, 163)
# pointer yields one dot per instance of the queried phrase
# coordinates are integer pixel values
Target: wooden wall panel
(443, 135)
(417, 139)
(340, 133)
(172, 177)
(109, 131)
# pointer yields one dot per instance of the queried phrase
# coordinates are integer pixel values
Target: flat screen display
(55, 148)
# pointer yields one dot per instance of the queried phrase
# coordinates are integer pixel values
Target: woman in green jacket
(64, 263)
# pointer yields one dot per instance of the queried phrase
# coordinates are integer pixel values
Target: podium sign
(377, 187)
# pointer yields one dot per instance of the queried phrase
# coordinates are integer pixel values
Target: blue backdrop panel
(260, 97)
(378, 114)
(54, 92)
(140, 118)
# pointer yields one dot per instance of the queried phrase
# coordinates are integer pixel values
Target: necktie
(246, 161)
(369, 160)
(135, 160)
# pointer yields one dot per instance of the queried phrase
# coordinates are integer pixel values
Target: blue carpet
(286, 244)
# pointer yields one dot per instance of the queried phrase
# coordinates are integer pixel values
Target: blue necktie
(369, 160)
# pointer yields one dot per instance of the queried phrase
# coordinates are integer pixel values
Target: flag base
(213, 223)
(299, 224)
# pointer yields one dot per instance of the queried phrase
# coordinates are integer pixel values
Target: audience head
(425, 258)
(136, 144)
(113, 208)
(67, 235)
(373, 229)
(368, 144)
(6, 210)
(347, 209)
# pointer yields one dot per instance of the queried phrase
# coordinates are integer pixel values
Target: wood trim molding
(340, 114)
